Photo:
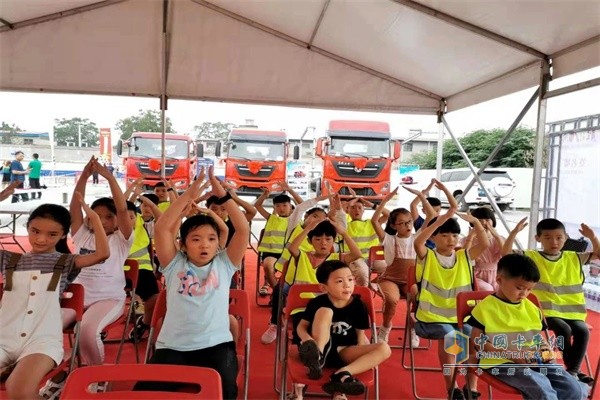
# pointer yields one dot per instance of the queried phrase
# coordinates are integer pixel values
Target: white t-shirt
(106, 280)
(397, 247)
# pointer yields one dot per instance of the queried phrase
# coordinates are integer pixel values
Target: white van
(497, 181)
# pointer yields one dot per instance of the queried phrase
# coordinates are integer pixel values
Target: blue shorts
(435, 331)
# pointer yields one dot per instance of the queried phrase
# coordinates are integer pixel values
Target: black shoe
(588, 380)
(456, 394)
(103, 336)
(474, 393)
(311, 357)
(344, 382)
(139, 329)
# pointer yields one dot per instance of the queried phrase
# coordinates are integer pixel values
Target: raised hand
(202, 175)
(520, 225)
(338, 228)
(414, 191)
(215, 184)
(81, 201)
(467, 217)
(89, 167)
(428, 188)
(587, 231)
(390, 195)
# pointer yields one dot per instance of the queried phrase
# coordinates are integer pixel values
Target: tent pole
(478, 178)
(503, 140)
(440, 146)
(538, 163)
(163, 88)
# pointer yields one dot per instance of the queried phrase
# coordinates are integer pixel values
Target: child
(147, 287)
(195, 331)
(166, 194)
(314, 213)
(272, 244)
(486, 264)
(399, 253)
(560, 289)
(31, 338)
(441, 274)
(332, 332)
(517, 276)
(103, 282)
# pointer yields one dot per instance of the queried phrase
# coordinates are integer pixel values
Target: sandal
(344, 382)
(474, 394)
(588, 380)
(339, 396)
(52, 389)
(311, 357)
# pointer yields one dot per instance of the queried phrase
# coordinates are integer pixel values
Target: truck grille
(366, 191)
(264, 172)
(142, 167)
(347, 169)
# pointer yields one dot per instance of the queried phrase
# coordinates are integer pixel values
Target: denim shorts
(435, 331)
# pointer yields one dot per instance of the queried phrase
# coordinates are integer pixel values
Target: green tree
(67, 130)
(144, 121)
(8, 132)
(213, 130)
(517, 152)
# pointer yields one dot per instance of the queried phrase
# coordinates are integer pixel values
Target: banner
(105, 144)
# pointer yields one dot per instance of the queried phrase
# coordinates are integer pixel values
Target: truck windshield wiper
(354, 155)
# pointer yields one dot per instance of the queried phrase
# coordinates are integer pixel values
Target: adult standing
(6, 174)
(35, 170)
(17, 173)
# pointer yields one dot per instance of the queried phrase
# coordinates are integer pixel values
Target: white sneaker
(298, 393)
(99, 387)
(414, 339)
(270, 335)
(383, 334)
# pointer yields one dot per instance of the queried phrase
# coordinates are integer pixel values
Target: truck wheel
(503, 207)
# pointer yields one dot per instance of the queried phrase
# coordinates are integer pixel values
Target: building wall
(78, 156)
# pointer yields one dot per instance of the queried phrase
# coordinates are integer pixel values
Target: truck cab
(357, 155)
(142, 156)
(254, 159)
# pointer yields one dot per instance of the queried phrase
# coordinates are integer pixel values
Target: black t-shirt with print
(345, 320)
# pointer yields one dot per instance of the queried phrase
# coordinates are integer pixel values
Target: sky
(37, 111)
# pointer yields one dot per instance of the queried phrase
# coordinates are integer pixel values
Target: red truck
(255, 158)
(143, 158)
(357, 155)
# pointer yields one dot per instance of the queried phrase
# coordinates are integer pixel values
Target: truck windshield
(151, 147)
(359, 147)
(267, 151)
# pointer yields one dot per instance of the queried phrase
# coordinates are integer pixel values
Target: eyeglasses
(406, 223)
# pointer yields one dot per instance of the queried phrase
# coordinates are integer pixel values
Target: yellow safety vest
(439, 287)
(273, 239)
(520, 322)
(164, 205)
(286, 255)
(139, 248)
(560, 289)
(363, 233)
(304, 273)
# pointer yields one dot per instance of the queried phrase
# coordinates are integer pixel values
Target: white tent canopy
(379, 55)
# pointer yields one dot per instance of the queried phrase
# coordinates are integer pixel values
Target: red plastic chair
(465, 302)
(131, 279)
(239, 307)
(293, 366)
(76, 303)
(76, 386)
(158, 316)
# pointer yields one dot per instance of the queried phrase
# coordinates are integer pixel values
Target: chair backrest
(296, 300)
(75, 301)
(131, 274)
(376, 253)
(239, 307)
(465, 302)
(76, 386)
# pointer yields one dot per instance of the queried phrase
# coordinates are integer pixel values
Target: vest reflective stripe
(439, 287)
(519, 321)
(139, 248)
(304, 272)
(364, 235)
(286, 255)
(560, 289)
(274, 235)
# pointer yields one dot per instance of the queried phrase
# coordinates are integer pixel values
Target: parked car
(407, 180)
(497, 181)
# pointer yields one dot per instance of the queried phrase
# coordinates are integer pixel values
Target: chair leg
(122, 342)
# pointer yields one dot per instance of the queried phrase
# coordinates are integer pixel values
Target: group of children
(199, 250)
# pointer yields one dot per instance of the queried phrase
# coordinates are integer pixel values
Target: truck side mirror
(218, 149)
(119, 147)
(319, 147)
(396, 150)
(200, 150)
(296, 152)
